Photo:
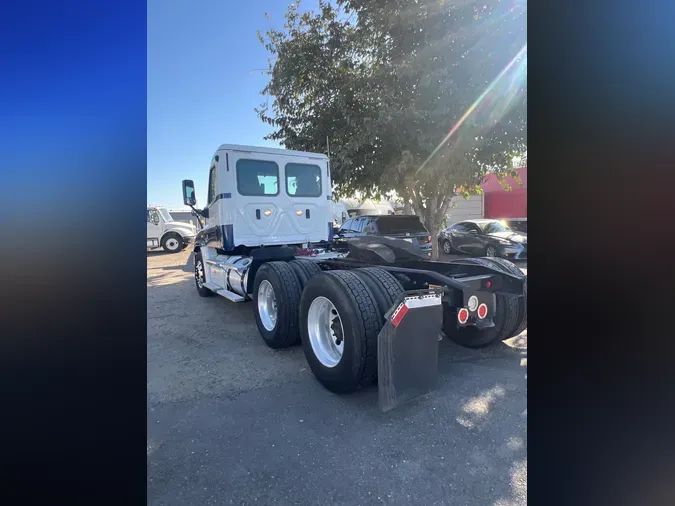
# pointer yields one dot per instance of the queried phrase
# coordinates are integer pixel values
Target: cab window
(212, 185)
(257, 178)
(303, 180)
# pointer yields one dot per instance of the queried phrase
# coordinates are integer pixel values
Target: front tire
(340, 324)
(172, 242)
(200, 277)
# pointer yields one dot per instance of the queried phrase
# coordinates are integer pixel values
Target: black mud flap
(407, 348)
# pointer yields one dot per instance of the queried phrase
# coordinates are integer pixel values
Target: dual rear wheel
(342, 314)
(337, 316)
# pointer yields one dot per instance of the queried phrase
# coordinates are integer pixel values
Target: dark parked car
(406, 227)
(490, 238)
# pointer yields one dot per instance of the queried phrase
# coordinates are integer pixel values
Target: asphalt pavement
(231, 421)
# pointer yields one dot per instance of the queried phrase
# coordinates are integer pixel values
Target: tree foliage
(387, 81)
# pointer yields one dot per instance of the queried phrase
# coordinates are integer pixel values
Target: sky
(201, 91)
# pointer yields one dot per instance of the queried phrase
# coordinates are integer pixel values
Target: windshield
(495, 226)
(165, 214)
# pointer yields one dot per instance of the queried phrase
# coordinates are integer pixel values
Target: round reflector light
(463, 315)
(482, 311)
(473, 303)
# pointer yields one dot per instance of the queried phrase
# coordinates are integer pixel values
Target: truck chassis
(366, 318)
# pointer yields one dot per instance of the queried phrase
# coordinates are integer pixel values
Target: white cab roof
(271, 151)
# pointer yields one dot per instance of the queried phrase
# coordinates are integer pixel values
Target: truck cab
(259, 197)
(260, 201)
(165, 232)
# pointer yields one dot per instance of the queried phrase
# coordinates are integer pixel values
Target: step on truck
(372, 315)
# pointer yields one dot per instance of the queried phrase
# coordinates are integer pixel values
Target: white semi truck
(372, 315)
(164, 232)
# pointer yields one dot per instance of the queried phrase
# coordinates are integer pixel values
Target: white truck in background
(165, 232)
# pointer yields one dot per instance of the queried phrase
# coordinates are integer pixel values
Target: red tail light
(463, 315)
(424, 240)
(482, 311)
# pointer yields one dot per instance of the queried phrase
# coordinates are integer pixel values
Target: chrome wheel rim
(172, 243)
(446, 247)
(199, 274)
(326, 333)
(491, 252)
(267, 305)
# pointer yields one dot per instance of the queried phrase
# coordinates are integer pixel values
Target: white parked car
(163, 231)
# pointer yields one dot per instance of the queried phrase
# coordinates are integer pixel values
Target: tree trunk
(434, 231)
(431, 215)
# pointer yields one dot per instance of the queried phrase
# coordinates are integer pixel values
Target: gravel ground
(231, 421)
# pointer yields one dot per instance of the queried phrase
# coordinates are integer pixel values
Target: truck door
(474, 243)
(458, 237)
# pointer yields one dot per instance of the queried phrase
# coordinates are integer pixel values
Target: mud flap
(407, 348)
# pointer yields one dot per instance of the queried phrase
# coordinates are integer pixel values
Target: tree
(422, 97)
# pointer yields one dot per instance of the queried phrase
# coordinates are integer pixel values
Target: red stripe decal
(399, 315)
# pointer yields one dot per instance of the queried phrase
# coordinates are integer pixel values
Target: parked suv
(394, 226)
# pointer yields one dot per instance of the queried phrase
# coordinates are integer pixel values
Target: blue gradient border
(73, 314)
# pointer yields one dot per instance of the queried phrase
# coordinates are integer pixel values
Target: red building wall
(505, 204)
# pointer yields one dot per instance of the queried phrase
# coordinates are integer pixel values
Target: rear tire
(285, 299)
(447, 247)
(359, 316)
(200, 277)
(385, 287)
(505, 317)
(522, 301)
(304, 269)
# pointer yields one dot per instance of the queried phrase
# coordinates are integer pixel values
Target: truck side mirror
(189, 198)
